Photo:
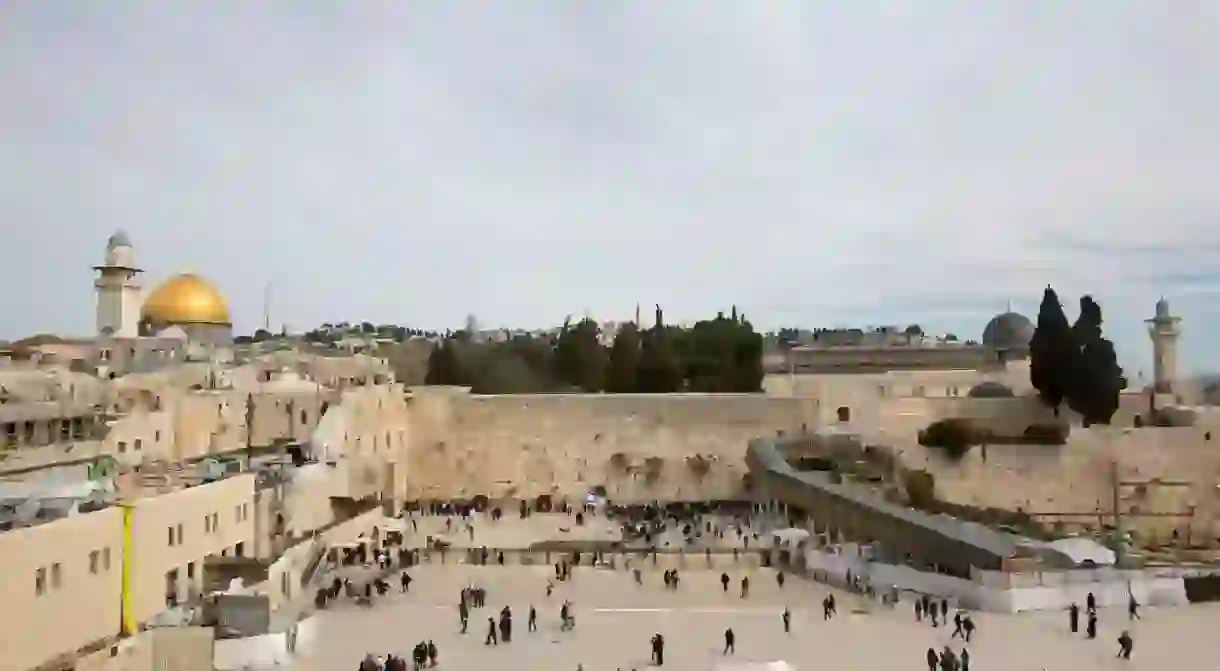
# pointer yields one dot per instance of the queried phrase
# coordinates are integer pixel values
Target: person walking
(491, 639)
(1125, 643)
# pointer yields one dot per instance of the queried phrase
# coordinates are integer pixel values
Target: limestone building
(146, 467)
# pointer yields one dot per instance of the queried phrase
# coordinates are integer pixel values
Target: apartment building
(62, 587)
(76, 582)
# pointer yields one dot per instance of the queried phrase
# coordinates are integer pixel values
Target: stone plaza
(616, 618)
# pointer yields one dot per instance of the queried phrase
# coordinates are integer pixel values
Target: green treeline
(718, 355)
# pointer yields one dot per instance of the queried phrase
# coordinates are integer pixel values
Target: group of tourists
(1125, 642)
(424, 655)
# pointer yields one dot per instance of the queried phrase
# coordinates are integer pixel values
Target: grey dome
(119, 239)
(989, 389)
(1008, 331)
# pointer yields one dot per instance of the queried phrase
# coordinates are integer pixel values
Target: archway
(480, 502)
(543, 503)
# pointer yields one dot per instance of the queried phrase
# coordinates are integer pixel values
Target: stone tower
(118, 287)
(1164, 330)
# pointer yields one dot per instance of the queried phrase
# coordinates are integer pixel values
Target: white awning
(1084, 551)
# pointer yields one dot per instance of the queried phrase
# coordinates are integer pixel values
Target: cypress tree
(1052, 351)
(1098, 379)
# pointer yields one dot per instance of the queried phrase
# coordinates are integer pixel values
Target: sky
(815, 163)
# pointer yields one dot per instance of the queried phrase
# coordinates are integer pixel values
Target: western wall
(639, 447)
(643, 448)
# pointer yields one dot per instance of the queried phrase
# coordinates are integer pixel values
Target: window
(245, 511)
(158, 436)
(190, 570)
(215, 522)
(40, 581)
(844, 414)
(179, 533)
(304, 417)
(105, 559)
(122, 446)
(57, 577)
(171, 536)
(237, 513)
(239, 550)
(207, 524)
(139, 444)
(94, 561)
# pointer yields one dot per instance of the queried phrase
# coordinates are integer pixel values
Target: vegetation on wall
(920, 488)
(1075, 364)
(723, 354)
(954, 436)
(957, 436)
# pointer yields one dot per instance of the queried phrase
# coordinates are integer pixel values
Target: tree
(445, 366)
(660, 370)
(624, 360)
(1098, 379)
(708, 357)
(913, 331)
(1052, 352)
(748, 371)
(580, 359)
(262, 335)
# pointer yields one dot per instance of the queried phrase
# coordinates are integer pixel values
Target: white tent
(1084, 551)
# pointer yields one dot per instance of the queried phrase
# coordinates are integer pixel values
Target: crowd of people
(649, 526)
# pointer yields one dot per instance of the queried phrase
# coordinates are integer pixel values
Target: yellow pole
(127, 613)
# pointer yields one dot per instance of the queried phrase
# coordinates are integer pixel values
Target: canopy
(1084, 550)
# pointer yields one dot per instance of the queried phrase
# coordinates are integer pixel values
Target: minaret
(1164, 330)
(118, 286)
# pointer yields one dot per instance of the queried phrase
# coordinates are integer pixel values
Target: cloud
(413, 162)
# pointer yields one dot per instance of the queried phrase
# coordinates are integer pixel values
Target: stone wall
(1166, 472)
(639, 447)
(647, 447)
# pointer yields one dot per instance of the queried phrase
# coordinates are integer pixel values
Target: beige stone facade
(121, 490)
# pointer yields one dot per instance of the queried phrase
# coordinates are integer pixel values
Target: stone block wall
(639, 447)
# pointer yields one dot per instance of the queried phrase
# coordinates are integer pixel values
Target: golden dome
(185, 299)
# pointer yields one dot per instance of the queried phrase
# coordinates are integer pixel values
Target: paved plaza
(615, 619)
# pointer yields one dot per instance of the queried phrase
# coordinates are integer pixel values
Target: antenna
(267, 306)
